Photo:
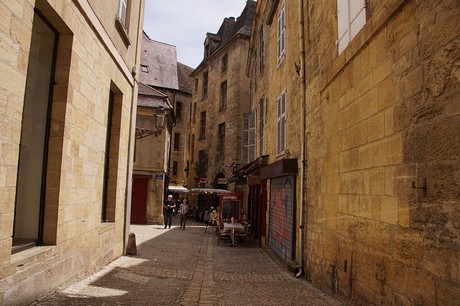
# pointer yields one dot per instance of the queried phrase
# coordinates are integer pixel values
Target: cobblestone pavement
(188, 267)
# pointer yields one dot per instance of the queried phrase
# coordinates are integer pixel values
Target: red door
(139, 199)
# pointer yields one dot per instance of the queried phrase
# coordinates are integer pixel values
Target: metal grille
(281, 223)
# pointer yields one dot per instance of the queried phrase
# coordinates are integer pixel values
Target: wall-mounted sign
(158, 176)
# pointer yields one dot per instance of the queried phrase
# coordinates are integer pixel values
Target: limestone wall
(88, 67)
(381, 117)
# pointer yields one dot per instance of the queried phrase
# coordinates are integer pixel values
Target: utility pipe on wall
(303, 140)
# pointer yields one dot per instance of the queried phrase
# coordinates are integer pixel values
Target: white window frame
(351, 18)
(281, 123)
(281, 39)
(261, 126)
(248, 152)
(123, 12)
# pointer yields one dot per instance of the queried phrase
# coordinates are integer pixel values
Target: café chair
(243, 234)
(222, 234)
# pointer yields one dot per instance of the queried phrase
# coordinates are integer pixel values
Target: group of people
(170, 207)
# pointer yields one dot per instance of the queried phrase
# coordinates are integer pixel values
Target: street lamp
(234, 165)
(160, 117)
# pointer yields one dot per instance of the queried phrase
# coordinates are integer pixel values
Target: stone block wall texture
(89, 65)
(274, 79)
(237, 104)
(382, 116)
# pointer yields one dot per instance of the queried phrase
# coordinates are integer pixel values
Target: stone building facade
(275, 194)
(161, 159)
(154, 121)
(220, 100)
(68, 91)
(380, 89)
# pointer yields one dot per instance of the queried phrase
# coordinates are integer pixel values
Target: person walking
(183, 210)
(168, 209)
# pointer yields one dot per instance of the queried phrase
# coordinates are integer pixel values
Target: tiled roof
(150, 97)
(185, 80)
(161, 60)
(150, 91)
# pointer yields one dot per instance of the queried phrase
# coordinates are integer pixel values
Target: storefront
(282, 207)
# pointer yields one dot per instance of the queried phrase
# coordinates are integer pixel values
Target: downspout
(302, 140)
(132, 126)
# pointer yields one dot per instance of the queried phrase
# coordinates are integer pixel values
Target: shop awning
(179, 189)
(208, 190)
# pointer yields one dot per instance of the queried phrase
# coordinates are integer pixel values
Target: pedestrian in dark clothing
(177, 202)
(183, 211)
(168, 209)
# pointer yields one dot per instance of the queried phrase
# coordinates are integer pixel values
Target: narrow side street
(188, 267)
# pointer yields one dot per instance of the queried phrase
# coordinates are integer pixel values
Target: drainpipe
(302, 141)
(132, 126)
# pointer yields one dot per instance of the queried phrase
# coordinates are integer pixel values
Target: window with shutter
(281, 34)
(261, 126)
(351, 18)
(261, 49)
(252, 137)
(122, 12)
(281, 123)
(245, 141)
(249, 137)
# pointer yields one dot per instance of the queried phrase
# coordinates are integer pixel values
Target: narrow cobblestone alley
(188, 267)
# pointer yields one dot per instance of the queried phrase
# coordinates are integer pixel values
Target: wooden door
(139, 200)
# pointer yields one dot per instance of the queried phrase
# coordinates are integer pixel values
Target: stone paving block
(177, 268)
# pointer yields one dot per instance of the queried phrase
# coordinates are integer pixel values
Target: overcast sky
(184, 23)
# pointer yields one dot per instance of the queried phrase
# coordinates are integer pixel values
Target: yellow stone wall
(270, 83)
(237, 105)
(89, 65)
(380, 116)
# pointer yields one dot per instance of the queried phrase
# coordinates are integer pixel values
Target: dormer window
(206, 48)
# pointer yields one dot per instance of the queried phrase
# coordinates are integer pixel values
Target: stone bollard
(131, 249)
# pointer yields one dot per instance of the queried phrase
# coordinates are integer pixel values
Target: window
(224, 63)
(205, 85)
(281, 124)
(175, 166)
(223, 96)
(109, 191)
(176, 141)
(351, 18)
(203, 125)
(178, 110)
(221, 140)
(281, 34)
(35, 135)
(249, 137)
(123, 9)
(261, 126)
(261, 49)
(194, 112)
(122, 19)
(196, 85)
(193, 149)
(145, 68)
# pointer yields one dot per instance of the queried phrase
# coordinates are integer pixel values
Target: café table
(231, 227)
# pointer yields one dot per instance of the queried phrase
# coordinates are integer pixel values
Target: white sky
(184, 23)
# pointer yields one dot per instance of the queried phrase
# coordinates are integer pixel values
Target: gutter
(132, 127)
(303, 137)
